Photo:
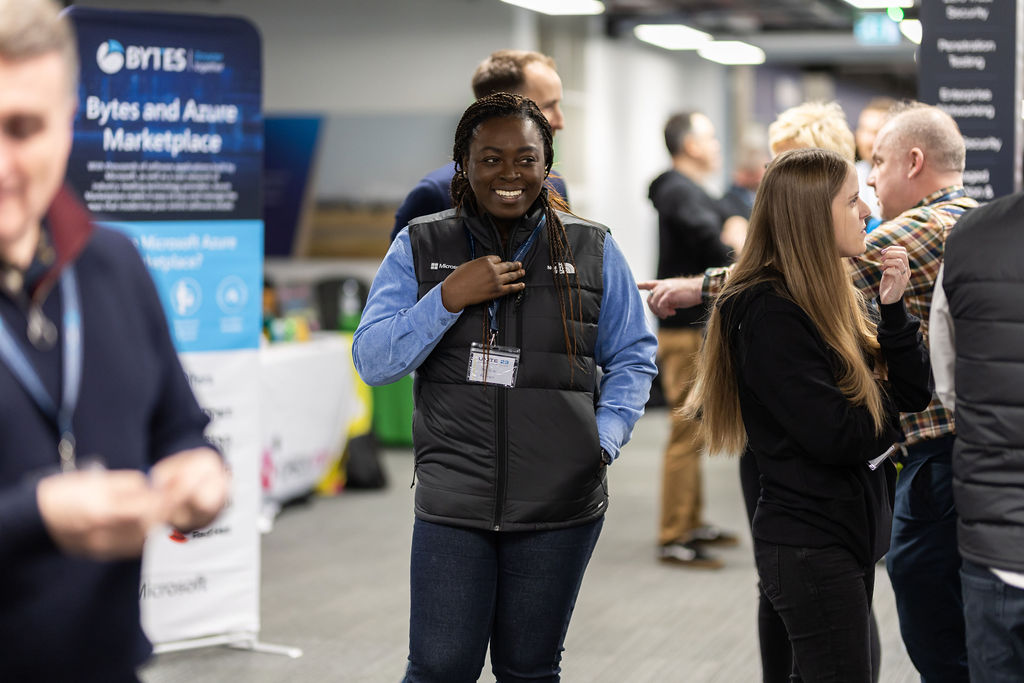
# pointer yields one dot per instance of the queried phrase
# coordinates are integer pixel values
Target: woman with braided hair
(505, 306)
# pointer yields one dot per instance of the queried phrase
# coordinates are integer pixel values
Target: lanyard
(15, 359)
(492, 308)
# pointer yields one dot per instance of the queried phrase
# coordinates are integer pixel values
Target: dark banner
(968, 66)
(169, 148)
(290, 158)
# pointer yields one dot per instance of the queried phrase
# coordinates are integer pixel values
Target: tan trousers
(681, 487)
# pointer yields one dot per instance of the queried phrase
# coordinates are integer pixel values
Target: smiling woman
(505, 169)
(509, 435)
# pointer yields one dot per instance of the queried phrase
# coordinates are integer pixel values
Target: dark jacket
(689, 236)
(480, 448)
(811, 444)
(65, 618)
(984, 283)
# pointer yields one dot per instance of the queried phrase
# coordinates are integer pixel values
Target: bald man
(917, 172)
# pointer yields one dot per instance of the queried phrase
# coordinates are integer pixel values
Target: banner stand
(238, 641)
(168, 148)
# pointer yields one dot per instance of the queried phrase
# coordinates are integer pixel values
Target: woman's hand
(895, 274)
(482, 279)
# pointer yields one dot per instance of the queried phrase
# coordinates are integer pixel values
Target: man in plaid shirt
(917, 173)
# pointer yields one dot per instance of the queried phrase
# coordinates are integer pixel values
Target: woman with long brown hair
(505, 307)
(796, 370)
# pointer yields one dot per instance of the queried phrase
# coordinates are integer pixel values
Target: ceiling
(789, 31)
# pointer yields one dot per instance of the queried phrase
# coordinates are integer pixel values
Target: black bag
(363, 469)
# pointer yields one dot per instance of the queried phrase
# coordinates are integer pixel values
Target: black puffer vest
(518, 458)
(984, 282)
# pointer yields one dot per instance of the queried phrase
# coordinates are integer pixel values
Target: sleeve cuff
(714, 280)
(438, 318)
(894, 316)
(21, 523)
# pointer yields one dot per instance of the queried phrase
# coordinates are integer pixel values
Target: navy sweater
(64, 618)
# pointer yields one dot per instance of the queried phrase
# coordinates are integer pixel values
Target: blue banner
(290, 157)
(169, 148)
(205, 273)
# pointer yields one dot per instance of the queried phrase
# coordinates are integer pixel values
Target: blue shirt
(397, 332)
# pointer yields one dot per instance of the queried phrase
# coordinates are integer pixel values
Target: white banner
(207, 582)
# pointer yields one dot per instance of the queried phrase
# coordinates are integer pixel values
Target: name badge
(496, 365)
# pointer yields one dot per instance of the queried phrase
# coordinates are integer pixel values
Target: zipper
(501, 443)
(519, 320)
(501, 414)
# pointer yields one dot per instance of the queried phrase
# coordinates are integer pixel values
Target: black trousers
(776, 652)
(823, 596)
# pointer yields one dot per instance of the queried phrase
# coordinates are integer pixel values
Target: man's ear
(916, 161)
(687, 146)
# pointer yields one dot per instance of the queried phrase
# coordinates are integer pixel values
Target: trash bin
(392, 412)
(340, 302)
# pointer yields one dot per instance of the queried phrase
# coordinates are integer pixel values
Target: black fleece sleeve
(909, 386)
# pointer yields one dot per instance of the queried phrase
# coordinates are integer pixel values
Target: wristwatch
(605, 458)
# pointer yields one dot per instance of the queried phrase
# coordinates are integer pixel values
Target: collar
(946, 194)
(69, 226)
(483, 228)
(17, 283)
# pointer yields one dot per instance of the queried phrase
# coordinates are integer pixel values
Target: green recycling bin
(392, 412)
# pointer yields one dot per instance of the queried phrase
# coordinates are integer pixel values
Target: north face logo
(563, 269)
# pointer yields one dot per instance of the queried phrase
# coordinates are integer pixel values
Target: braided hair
(508, 105)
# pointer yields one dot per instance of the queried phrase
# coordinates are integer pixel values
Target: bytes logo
(112, 57)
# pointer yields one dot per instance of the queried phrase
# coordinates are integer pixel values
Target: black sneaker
(688, 555)
(710, 534)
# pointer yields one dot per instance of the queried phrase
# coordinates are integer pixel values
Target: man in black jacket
(694, 234)
(977, 347)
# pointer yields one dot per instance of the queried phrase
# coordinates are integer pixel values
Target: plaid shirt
(922, 230)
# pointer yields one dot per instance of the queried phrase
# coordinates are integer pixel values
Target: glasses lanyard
(15, 359)
(492, 308)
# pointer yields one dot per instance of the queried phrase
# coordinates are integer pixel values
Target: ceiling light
(911, 28)
(671, 36)
(560, 6)
(731, 52)
(880, 4)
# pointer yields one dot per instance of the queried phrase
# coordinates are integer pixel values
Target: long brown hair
(508, 105)
(791, 242)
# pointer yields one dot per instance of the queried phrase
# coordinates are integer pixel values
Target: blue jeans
(994, 612)
(513, 589)
(924, 564)
(823, 596)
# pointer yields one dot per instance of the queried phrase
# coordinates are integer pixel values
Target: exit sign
(876, 28)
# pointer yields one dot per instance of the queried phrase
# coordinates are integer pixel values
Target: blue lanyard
(492, 309)
(15, 359)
